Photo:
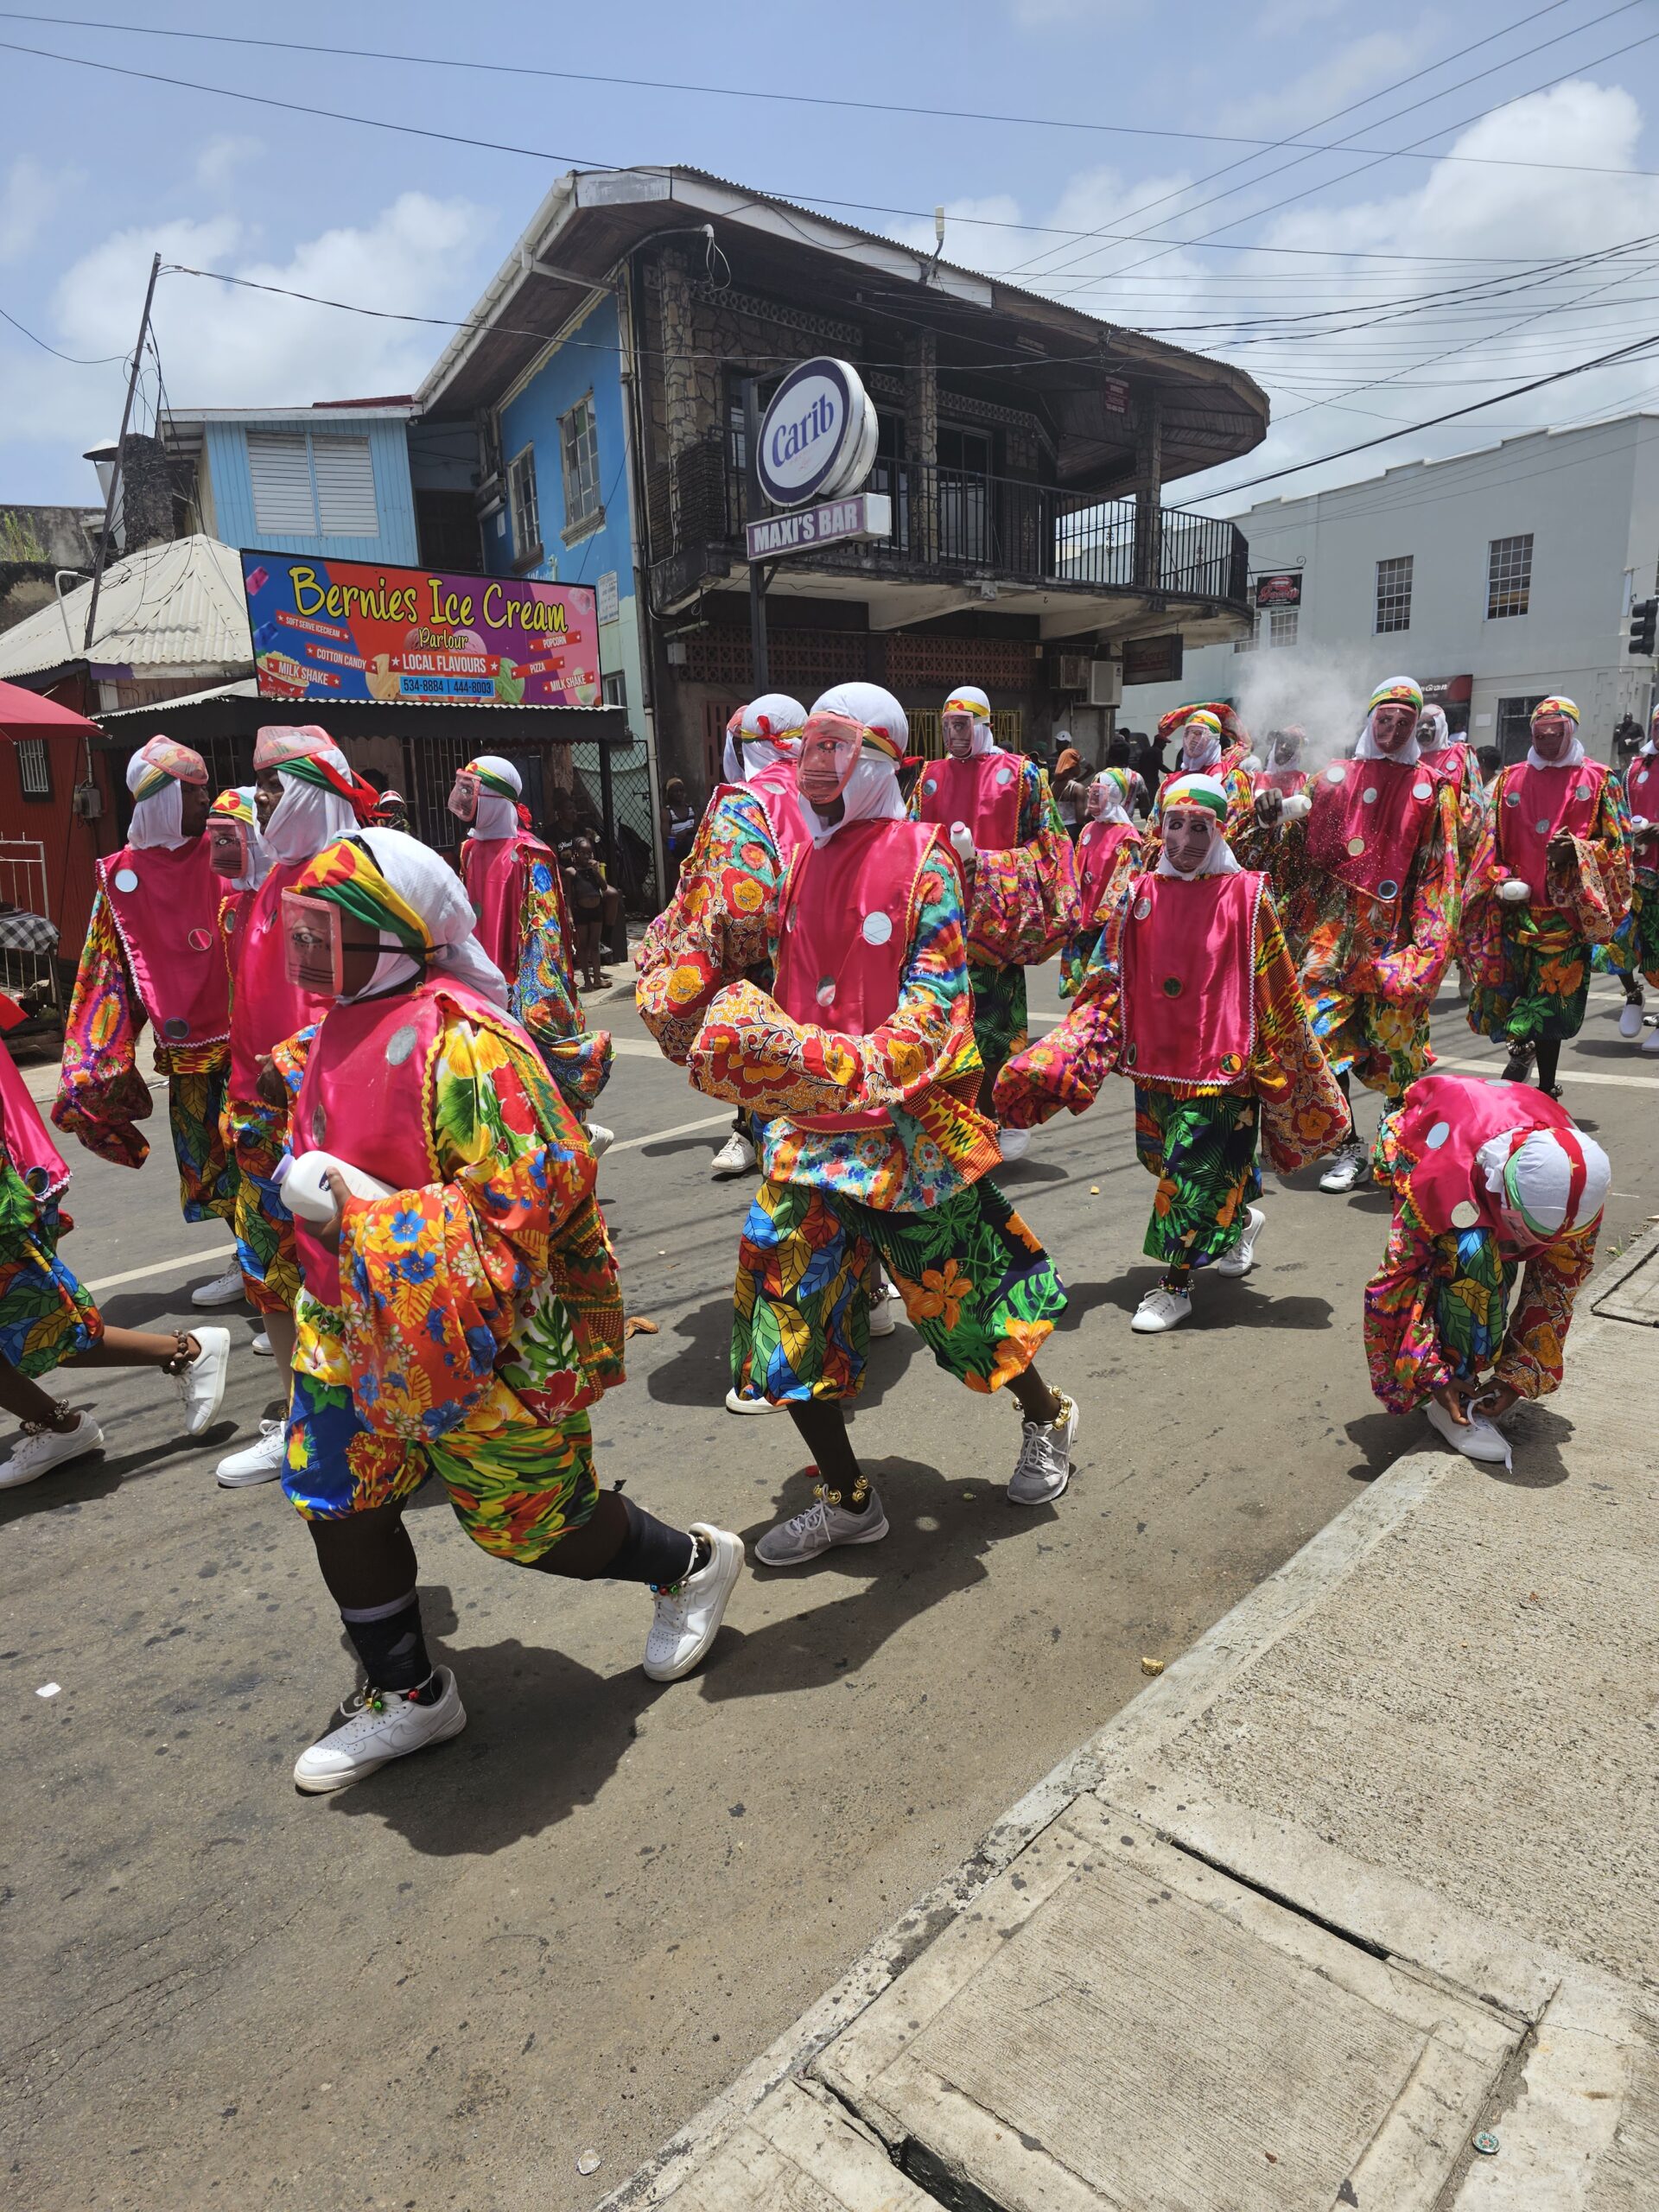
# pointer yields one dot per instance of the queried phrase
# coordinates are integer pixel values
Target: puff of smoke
(1324, 694)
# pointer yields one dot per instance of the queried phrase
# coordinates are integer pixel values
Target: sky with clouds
(1478, 204)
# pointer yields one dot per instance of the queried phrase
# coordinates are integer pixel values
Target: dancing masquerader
(513, 880)
(1018, 874)
(1366, 884)
(1550, 881)
(1633, 957)
(152, 955)
(863, 1061)
(48, 1318)
(1192, 995)
(1108, 854)
(1490, 1179)
(463, 1320)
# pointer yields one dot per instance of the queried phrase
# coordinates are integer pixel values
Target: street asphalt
(562, 1932)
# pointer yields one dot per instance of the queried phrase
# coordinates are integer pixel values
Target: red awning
(26, 714)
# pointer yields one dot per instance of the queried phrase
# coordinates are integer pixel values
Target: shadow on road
(1218, 1302)
(699, 1372)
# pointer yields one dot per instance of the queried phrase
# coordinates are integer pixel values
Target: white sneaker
(736, 1157)
(1479, 1440)
(1161, 1309)
(736, 1403)
(1350, 1166)
(262, 1347)
(1044, 1467)
(1015, 1143)
(687, 1620)
(1241, 1258)
(201, 1385)
(599, 1139)
(223, 1290)
(1650, 1043)
(802, 1537)
(1629, 1018)
(39, 1449)
(380, 1726)
(259, 1463)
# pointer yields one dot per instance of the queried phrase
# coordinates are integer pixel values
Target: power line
(103, 360)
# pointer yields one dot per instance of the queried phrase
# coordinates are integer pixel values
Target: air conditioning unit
(1105, 683)
(1071, 671)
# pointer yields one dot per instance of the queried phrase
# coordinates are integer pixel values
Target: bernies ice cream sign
(818, 438)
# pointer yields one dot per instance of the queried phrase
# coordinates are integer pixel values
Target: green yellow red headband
(1398, 692)
(346, 874)
(1194, 790)
(1556, 706)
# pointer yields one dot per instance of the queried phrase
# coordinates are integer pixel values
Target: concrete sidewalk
(1357, 1905)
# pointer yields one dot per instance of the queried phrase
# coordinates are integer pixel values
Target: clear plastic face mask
(227, 846)
(829, 750)
(463, 799)
(314, 949)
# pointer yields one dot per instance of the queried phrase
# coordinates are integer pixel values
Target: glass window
(521, 497)
(1281, 626)
(614, 690)
(1509, 576)
(1393, 594)
(579, 449)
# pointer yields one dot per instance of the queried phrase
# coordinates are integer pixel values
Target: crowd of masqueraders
(378, 1075)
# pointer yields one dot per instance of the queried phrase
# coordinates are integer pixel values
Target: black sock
(389, 1641)
(1549, 1054)
(652, 1551)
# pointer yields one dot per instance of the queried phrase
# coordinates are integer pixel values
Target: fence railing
(945, 519)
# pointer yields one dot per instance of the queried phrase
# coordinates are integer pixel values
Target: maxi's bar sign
(833, 522)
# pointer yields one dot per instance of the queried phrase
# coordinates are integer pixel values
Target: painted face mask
(958, 735)
(227, 846)
(829, 750)
(314, 952)
(463, 799)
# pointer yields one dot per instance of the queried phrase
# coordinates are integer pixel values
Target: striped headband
(161, 759)
(1556, 706)
(976, 708)
(1194, 790)
(234, 805)
(348, 876)
(490, 782)
(1578, 1171)
(1397, 691)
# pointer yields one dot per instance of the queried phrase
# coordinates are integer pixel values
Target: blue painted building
(333, 481)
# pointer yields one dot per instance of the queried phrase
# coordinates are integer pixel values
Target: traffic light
(1645, 619)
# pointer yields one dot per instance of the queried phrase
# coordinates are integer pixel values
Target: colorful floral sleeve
(1601, 881)
(1529, 1359)
(1403, 1350)
(505, 1260)
(1025, 900)
(544, 997)
(1065, 1069)
(100, 1093)
(1411, 976)
(716, 929)
(749, 1050)
(1304, 1114)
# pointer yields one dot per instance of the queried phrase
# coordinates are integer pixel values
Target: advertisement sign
(350, 630)
(817, 437)
(868, 514)
(1152, 660)
(1284, 590)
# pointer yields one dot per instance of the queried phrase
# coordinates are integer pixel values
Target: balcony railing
(953, 519)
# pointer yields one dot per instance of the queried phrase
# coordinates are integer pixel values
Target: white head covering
(497, 817)
(158, 820)
(431, 887)
(970, 699)
(1179, 792)
(760, 725)
(1533, 1182)
(258, 859)
(1368, 748)
(1105, 799)
(309, 816)
(871, 793)
(1433, 732)
(1574, 751)
(1197, 757)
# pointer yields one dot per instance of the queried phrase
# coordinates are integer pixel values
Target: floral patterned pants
(1203, 1152)
(980, 1290)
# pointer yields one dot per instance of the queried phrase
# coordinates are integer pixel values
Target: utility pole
(761, 671)
(120, 448)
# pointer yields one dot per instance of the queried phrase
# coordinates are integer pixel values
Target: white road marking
(661, 1136)
(206, 1257)
(1570, 1073)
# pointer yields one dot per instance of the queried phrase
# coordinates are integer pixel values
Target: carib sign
(817, 436)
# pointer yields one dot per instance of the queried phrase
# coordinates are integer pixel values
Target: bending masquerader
(1367, 887)
(1192, 996)
(463, 1321)
(512, 879)
(1109, 853)
(1550, 881)
(1018, 872)
(48, 1318)
(863, 1061)
(714, 928)
(152, 955)
(1490, 1179)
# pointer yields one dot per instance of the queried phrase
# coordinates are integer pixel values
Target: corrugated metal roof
(177, 604)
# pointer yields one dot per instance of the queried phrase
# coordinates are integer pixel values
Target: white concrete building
(1497, 576)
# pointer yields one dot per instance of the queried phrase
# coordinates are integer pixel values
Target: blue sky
(1400, 282)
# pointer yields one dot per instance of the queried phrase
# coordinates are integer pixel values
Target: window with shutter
(345, 476)
(283, 504)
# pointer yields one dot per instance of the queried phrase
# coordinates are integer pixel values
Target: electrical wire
(102, 361)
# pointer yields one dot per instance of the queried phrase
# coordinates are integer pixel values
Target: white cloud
(27, 196)
(221, 157)
(1330, 83)
(1284, 18)
(1046, 15)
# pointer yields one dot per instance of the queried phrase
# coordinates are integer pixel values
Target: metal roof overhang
(591, 220)
(1062, 609)
(237, 711)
